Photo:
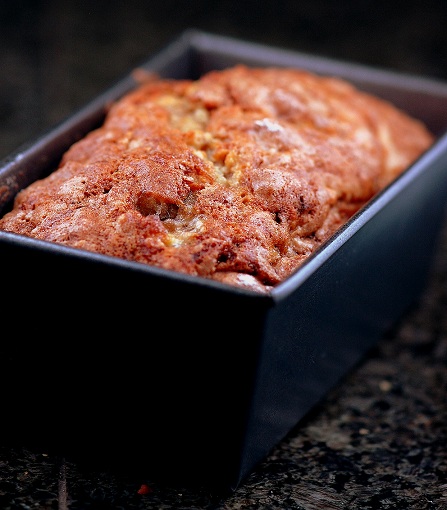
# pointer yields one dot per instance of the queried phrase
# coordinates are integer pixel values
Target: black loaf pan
(187, 379)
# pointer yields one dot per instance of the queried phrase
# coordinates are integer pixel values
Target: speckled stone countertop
(379, 439)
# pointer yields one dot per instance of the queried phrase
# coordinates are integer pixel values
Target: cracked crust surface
(238, 176)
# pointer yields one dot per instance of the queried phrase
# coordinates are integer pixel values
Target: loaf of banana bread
(237, 176)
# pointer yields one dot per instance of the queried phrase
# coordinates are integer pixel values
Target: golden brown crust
(238, 176)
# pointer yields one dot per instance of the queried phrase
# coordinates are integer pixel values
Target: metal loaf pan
(186, 378)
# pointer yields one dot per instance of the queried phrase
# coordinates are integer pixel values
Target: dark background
(56, 55)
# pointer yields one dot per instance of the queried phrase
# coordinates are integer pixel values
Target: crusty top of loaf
(238, 176)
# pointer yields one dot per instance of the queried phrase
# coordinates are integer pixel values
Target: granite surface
(379, 439)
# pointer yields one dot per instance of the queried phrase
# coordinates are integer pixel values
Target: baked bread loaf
(238, 176)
